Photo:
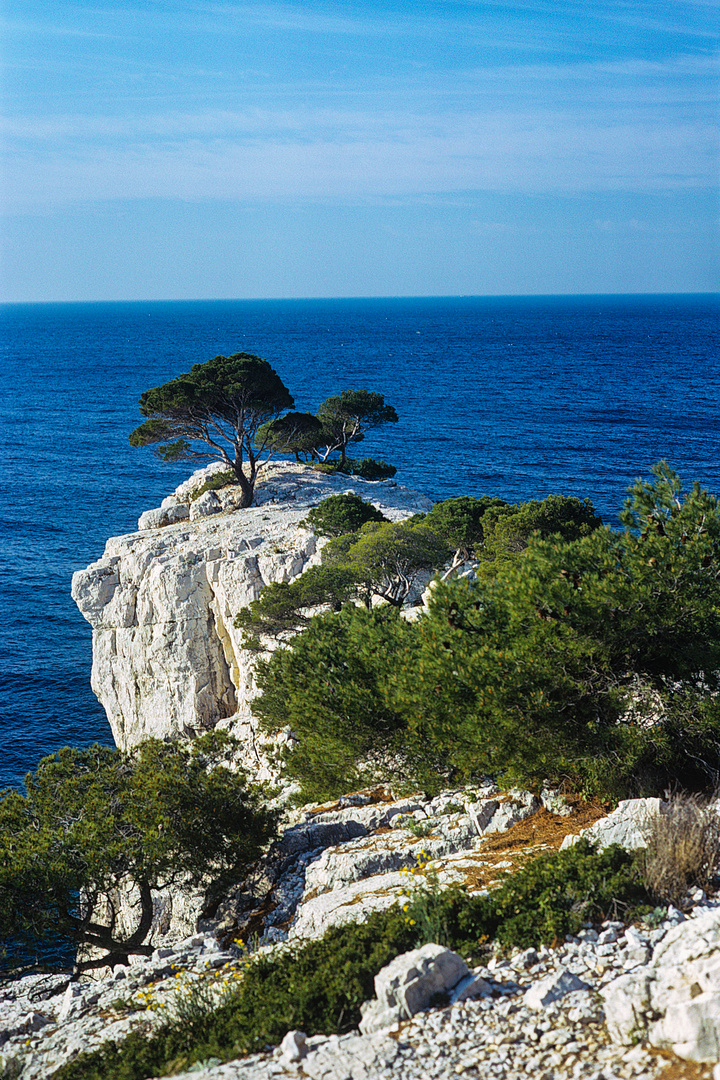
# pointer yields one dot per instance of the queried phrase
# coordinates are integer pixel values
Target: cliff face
(167, 660)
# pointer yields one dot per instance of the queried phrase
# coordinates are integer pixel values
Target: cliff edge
(167, 660)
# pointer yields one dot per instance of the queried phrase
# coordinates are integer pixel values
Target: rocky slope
(167, 660)
(603, 1005)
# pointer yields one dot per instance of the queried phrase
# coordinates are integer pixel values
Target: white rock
(407, 984)
(71, 1002)
(628, 825)
(552, 988)
(292, 1048)
(472, 986)
(691, 1029)
(151, 519)
(555, 803)
(516, 807)
(627, 1000)
(208, 503)
(163, 515)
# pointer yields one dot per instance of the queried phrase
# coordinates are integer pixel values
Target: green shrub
(316, 987)
(329, 684)
(365, 468)
(554, 894)
(459, 521)
(372, 469)
(282, 605)
(594, 660)
(219, 480)
(341, 514)
(98, 819)
(11, 1068)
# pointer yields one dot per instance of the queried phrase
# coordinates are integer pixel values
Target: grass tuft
(683, 849)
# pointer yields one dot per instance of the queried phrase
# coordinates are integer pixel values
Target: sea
(517, 397)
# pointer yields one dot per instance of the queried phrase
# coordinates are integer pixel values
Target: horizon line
(402, 296)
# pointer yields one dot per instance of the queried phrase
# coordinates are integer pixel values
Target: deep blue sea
(516, 397)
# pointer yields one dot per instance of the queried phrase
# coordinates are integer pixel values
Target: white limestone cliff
(167, 660)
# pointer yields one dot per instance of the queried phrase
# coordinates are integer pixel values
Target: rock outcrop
(167, 660)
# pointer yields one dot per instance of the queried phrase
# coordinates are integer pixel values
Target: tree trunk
(97, 936)
(247, 487)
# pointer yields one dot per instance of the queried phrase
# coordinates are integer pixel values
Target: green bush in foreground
(93, 820)
(318, 987)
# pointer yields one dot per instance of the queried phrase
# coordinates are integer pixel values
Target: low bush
(365, 468)
(683, 848)
(554, 894)
(318, 986)
(341, 514)
(219, 480)
(372, 469)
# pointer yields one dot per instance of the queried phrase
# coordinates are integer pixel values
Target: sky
(194, 149)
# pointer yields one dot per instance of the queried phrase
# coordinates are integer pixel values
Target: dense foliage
(284, 607)
(459, 521)
(367, 557)
(507, 528)
(387, 557)
(346, 417)
(93, 819)
(594, 660)
(331, 684)
(341, 514)
(318, 987)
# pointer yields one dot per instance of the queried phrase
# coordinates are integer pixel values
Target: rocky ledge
(608, 1003)
(167, 660)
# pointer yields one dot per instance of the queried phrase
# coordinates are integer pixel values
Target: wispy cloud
(510, 153)
(624, 122)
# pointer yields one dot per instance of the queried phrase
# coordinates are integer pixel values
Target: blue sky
(198, 149)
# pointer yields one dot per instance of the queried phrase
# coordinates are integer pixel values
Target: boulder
(168, 513)
(691, 1028)
(674, 1001)
(208, 503)
(627, 1000)
(408, 984)
(516, 807)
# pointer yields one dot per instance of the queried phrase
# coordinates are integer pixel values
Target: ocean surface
(516, 397)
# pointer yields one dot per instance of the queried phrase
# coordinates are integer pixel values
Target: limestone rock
(168, 513)
(628, 825)
(674, 1001)
(292, 1048)
(552, 988)
(691, 1028)
(208, 503)
(167, 660)
(516, 807)
(627, 1000)
(409, 982)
